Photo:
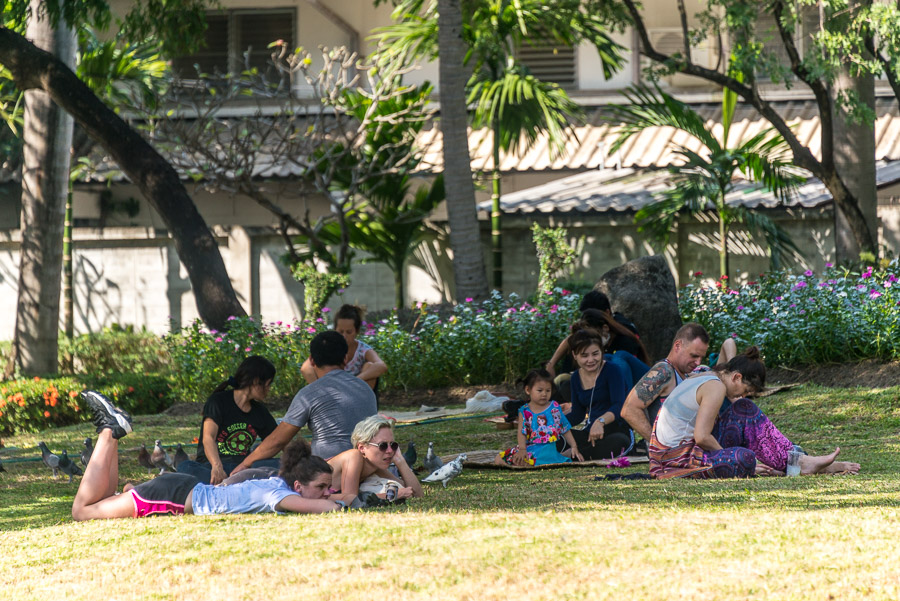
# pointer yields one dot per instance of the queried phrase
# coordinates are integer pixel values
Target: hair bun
(752, 352)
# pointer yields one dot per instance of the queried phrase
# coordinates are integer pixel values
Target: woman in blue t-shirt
(302, 485)
(233, 418)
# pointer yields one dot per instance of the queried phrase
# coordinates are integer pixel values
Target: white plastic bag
(485, 402)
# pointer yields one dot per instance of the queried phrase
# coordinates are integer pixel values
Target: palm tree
(702, 183)
(516, 106)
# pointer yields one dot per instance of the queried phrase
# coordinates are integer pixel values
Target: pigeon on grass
(448, 472)
(410, 455)
(144, 458)
(49, 459)
(69, 467)
(160, 458)
(180, 456)
(432, 462)
(87, 452)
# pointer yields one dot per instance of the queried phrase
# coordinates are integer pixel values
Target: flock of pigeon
(159, 459)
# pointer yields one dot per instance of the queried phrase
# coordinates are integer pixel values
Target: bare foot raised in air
(842, 467)
(814, 465)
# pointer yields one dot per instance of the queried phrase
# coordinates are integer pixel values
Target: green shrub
(115, 349)
(497, 340)
(202, 359)
(803, 319)
(31, 405)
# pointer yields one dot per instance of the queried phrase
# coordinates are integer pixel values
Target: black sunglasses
(383, 446)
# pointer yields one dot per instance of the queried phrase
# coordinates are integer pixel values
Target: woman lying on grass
(690, 439)
(364, 468)
(301, 486)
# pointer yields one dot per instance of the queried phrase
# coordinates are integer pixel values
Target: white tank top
(678, 416)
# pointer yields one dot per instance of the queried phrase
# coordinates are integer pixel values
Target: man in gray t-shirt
(331, 406)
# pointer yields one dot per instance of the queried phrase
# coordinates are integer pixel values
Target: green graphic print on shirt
(236, 439)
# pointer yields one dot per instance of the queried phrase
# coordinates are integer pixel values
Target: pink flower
(219, 339)
(740, 307)
(319, 320)
(548, 292)
(311, 330)
(566, 293)
(799, 285)
(874, 294)
(468, 299)
(326, 310)
(231, 318)
(278, 323)
(779, 298)
(829, 264)
(247, 350)
(867, 273)
(808, 272)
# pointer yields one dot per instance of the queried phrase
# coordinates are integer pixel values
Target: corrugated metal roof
(631, 189)
(589, 148)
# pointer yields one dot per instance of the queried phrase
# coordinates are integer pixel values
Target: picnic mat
(485, 460)
(423, 413)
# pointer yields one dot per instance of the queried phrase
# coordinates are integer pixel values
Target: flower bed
(834, 317)
(488, 342)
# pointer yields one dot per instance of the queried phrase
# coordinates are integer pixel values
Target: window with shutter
(550, 61)
(232, 34)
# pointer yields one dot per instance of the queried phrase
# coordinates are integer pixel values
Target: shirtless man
(643, 402)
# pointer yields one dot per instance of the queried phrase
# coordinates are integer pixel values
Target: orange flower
(37, 379)
(53, 402)
(72, 394)
(21, 403)
(47, 402)
(2, 402)
(19, 396)
(75, 407)
(46, 414)
(195, 440)
(3, 390)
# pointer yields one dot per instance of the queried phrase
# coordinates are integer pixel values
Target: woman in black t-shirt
(232, 421)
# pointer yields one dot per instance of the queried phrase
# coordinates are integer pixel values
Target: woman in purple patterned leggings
(691, 440)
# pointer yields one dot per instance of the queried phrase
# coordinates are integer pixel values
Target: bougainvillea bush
(837, 316)
(492, 341)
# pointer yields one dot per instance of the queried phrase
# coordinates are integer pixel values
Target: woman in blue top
(302, 485)
(599, 389)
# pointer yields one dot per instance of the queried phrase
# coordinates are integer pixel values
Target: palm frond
(782, 248)
(520, 108)
(651, 107)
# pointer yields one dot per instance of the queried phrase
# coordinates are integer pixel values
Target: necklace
(587, 423)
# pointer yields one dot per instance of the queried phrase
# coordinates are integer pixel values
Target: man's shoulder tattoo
(651, 384)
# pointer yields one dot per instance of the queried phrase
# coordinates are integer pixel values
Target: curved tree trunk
(47, 138)
(32, 69)
(465, 235)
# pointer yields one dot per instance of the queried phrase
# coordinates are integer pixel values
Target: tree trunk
(465, 234)
(854, 159)
(47, 138)
(33, 69)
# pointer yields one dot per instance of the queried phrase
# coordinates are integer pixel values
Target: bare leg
(727, 351)
(815, 465)
(93, 499)
(307, 371)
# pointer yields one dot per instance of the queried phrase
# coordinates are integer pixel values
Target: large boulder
(644, 291)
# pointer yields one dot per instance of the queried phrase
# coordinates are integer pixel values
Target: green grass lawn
(554, 534)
